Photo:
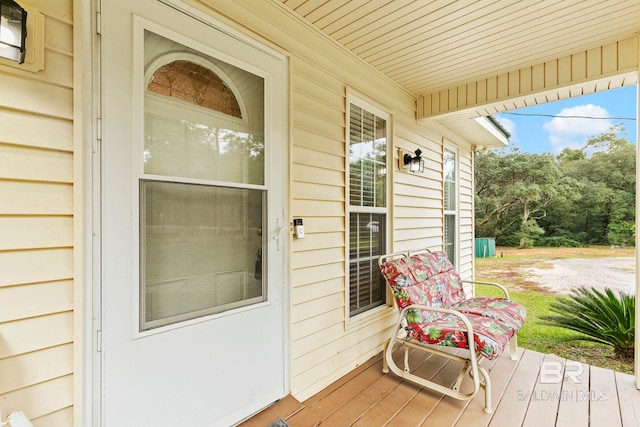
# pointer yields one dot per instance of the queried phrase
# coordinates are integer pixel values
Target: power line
(570, 117)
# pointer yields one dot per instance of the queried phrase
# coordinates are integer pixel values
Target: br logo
(553, 372)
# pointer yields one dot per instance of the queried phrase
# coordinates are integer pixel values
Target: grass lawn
(534, 335)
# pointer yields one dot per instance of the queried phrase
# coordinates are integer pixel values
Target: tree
(584, 195)
(622, 233)
(513, 192)
(605, 166)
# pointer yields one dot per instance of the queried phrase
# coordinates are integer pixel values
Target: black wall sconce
(13, 31)
(414, 164)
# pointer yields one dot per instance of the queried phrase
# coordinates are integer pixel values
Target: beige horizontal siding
(26, 130)
(35, 299)
(45, 99)
(42, 399)
(318, 192)
(317, 273)
(33, 334)
(316, 290)
(36, 164)
(36, 228)
(35, 367)
(35, 198)
(599, 63)
(19, 267)
(314, 191)
(32, 232)
(311, 326)
(62, 417)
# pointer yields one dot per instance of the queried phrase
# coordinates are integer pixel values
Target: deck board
(501, 373)
(629, 400)
(574, 406)
(512, 408)
(586, 396)
(603, 398)
(545, 400)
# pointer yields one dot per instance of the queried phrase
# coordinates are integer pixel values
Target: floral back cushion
(426, 279)
(435, 267)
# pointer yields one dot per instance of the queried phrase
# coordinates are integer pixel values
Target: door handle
(279, 230)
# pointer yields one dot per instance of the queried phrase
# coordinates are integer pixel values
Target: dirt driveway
(561, 269)
(562, 275)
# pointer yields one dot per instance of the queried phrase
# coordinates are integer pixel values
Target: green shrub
(558, 242)
(597, 316)
(510, 240)
(622, 233)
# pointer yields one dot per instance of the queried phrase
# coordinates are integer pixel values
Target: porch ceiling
(429, 46)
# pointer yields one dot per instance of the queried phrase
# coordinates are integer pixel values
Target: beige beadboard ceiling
(433, 47)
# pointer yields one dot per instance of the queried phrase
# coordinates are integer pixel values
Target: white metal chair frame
(471, 362)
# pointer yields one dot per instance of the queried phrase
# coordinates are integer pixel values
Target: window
(450, 204)
(367, 208)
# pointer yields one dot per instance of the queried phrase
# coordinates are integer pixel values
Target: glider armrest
(502, 288)
(465, 320)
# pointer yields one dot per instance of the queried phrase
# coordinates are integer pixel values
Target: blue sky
(537, 134)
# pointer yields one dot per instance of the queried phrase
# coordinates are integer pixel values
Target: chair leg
(487, 390)
(513, 347)
(385, 364)
(406, 358)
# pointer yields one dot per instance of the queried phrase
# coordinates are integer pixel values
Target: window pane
(450, 202)
(201, 250)
(449, 165)
(367, 159)
(204, 120)
(367, 244)
(449, 180)
(449, 196)
(449, 237)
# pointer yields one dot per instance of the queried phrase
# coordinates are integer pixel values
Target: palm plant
(600, 317)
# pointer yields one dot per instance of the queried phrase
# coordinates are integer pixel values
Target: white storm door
(192, 206)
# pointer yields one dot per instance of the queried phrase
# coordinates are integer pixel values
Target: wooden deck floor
(590, 396)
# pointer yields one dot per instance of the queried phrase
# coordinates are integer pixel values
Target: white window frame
(369, 314)
(455, 213)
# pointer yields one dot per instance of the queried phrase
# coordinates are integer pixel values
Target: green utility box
(485, 247)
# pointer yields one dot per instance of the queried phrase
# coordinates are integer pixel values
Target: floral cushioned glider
(435, 310)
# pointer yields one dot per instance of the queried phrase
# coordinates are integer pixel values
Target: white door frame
(87, 190)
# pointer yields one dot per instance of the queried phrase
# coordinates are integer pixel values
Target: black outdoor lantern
(415, 163)
(13, 31)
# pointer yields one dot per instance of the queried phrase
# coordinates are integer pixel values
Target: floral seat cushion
(511, 314)
(491, 336)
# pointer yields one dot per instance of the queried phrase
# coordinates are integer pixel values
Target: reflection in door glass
(202, 192)
(204, 118)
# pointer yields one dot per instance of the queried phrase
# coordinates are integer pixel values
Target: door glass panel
(202, 194)
(202, 249)
(204, 118)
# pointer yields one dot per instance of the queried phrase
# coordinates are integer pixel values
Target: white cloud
(509, 125)
(574, 132)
